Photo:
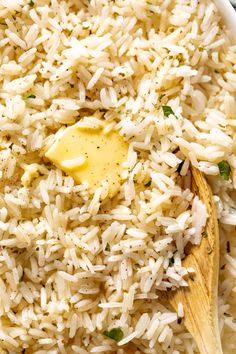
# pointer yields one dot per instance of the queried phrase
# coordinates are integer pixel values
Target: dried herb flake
(107, 248)
(31, 96)
(224, 169)
(167, 111)
(115, 333)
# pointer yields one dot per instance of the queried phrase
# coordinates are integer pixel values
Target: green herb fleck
(171, 261)
(31, 3)
(115, 333)
(107, 248)
(148, 183)
(31, 96)
(167, 110)
(224, 169)
(201, 49)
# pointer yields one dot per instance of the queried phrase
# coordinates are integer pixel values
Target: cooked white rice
(74, 265)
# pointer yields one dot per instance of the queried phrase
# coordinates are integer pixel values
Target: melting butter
(90, 155)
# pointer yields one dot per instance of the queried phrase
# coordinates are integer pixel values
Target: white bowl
(229, 15)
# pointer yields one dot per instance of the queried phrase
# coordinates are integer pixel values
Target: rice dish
(74, 265)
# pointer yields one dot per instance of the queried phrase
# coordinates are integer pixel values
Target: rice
(72, 264)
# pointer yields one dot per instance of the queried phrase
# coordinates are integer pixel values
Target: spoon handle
(209, 344)
(200, 297)
(201, 317)
(207, 335)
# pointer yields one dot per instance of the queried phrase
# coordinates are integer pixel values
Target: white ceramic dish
(229, 15)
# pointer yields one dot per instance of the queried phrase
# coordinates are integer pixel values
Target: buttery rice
(73, 264)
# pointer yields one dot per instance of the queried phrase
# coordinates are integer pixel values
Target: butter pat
(90, 155)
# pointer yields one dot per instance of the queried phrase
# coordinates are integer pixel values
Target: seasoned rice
(72, 264)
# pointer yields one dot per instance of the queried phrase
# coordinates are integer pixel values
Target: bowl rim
(228, 14)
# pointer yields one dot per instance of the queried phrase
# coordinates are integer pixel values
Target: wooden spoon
(200, 298)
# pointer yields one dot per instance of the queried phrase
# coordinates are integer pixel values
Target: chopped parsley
(107, 248)
(171, 261)
(115, 333)
(31, 3)
(224, 169)
(148, 183)
(31, 96)
(167, 111)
